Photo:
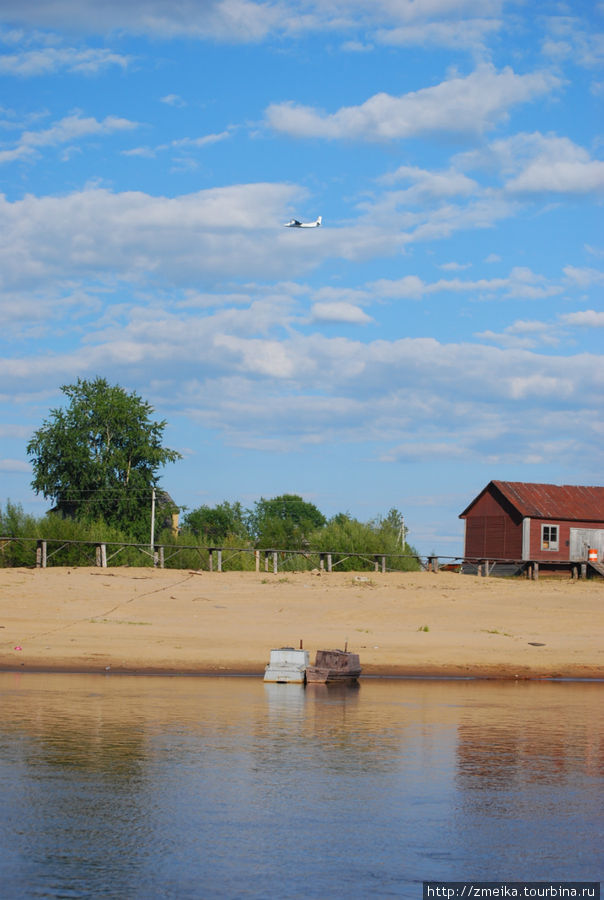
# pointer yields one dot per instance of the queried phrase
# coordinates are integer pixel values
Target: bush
(344, 535)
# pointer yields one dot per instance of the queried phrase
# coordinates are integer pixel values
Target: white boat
(287, 666)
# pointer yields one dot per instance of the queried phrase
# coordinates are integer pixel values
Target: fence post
(375, 564)
(155, 557)
(383, 565)
(275, 570)
(257, 559)
(322, 562)
(266, 560)
(329, 562)
(219, 554)
(104, 556)
(211, 559)
(161, 556)
(97, 555)
(41, 555)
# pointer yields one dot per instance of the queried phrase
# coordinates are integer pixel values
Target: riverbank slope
(407, 624)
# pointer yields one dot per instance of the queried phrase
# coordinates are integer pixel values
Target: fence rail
(100, 553)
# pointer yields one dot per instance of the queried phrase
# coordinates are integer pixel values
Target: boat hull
(334, 666)
(287, 666)
(316, 675)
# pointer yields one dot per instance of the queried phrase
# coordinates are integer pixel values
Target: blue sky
(442, 328)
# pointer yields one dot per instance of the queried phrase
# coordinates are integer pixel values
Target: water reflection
(128, 787)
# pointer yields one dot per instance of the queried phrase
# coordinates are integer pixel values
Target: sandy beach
(408, 624)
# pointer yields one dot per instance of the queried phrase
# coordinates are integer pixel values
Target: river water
(181, 787)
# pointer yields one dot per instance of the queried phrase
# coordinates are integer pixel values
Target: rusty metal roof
(551, 501)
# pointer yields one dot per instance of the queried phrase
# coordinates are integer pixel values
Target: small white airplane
(294, 223)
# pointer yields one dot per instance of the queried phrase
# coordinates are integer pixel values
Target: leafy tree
(343, 534)
(284, 522)
(214, 524)
(98, 458)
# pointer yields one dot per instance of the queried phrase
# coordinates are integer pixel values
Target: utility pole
(152, 523)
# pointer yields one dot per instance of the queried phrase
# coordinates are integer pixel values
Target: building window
(549, 537)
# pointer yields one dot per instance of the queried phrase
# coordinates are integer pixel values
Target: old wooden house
(547, 524)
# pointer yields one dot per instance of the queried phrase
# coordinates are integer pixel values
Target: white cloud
(567, 38)
(340, 312)
(49, 60)
(99, 234)
(538, 163)
(427, 184)
(583, 277)
(467, 34)
(434, 22)
(520, 283)
(231, 20)
(588, 318)
(203, 141)
(455, 266)
(522, 335)
(181, 145)
(563, 176)
(460, 105)
(243, 367)
(173, 100)
(71, 128)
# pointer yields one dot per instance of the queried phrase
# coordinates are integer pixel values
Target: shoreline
(195, 623)
(400, 673)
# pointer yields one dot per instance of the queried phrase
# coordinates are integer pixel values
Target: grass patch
(424, 628)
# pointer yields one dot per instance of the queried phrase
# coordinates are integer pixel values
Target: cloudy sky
(444, 327)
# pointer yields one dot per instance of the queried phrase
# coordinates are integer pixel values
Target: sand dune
(173, 621)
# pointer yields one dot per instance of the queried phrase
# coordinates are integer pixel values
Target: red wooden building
(543, 523)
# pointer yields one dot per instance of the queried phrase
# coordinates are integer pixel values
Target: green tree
(214, 524)
(284, 522)
(98, 458)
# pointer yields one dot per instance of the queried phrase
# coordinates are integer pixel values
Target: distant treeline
(284, 523)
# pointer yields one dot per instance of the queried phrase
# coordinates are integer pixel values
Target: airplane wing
(293, 223)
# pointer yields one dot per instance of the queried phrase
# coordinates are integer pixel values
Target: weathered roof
(550, 501)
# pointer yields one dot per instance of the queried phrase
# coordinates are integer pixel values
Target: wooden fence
(100, 553)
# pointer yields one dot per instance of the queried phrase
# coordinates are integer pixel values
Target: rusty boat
(334, 666)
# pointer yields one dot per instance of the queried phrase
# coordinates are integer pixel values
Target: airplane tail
(319, 220)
